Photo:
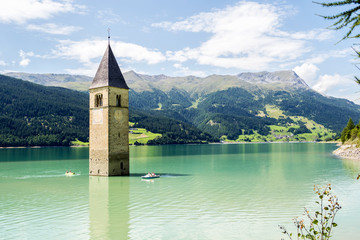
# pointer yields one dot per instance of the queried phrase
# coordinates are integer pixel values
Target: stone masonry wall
(109, 129)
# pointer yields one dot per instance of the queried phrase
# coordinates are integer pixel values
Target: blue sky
(179, 38)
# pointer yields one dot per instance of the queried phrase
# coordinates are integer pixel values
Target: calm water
(240, 191)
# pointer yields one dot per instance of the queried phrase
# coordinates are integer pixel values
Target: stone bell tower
(109, 120)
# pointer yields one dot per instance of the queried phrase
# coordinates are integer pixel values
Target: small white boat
(147, 176)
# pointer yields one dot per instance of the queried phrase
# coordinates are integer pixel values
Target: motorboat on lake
(150, 176)
(69, 173)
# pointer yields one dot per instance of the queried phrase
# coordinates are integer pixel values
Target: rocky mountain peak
(283, 78)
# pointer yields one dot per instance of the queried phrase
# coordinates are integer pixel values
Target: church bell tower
(109, 120)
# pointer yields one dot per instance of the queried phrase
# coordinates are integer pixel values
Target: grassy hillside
(141, 135)
(298, 129)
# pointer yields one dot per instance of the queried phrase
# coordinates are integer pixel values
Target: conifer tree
(350, 125)
(346, 132)
(348, 18)
(358, 125)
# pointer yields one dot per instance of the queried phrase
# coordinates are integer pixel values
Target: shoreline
(41, 146)
(275, 142)
(349, 151)
(333, 142)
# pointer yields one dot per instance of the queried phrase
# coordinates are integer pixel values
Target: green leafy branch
(321, 223)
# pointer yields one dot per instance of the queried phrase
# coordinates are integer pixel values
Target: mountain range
(191, 84)
(263, 106)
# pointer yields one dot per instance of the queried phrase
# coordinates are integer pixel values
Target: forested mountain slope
(32, 114)
(260, 106)
(234, 105)
(35, 115)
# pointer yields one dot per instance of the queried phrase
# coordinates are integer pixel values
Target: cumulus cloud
(21, 11)
(341, 86)
(24, 58)
(88, 51)
(2, 63)
(307, 71)
(53, 28)
(247, 35)
(326, 82)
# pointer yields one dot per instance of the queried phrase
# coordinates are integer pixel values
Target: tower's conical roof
(109, 73)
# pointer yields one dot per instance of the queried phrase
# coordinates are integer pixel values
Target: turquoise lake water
(220, 191)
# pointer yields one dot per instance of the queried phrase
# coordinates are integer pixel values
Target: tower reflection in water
(108, 202)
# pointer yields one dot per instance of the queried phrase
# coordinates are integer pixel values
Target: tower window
(98, 100)
(118, 100)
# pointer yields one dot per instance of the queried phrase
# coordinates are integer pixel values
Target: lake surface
(229, 191)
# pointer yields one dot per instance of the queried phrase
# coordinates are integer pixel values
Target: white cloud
(53, 28)
(87, 50)
(88, 53)
(326, 82)
(21, 11)
(314, 34)
(245, 36)
(2, 63)
(338, 86)
(307, 71)
(24, 58)
(321, 57)
(24, 62)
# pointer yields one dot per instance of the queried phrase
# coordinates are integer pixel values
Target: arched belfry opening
(98, 100)
(109, 120)
(118, 100)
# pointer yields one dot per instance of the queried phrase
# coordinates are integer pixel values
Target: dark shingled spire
(109, 73)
